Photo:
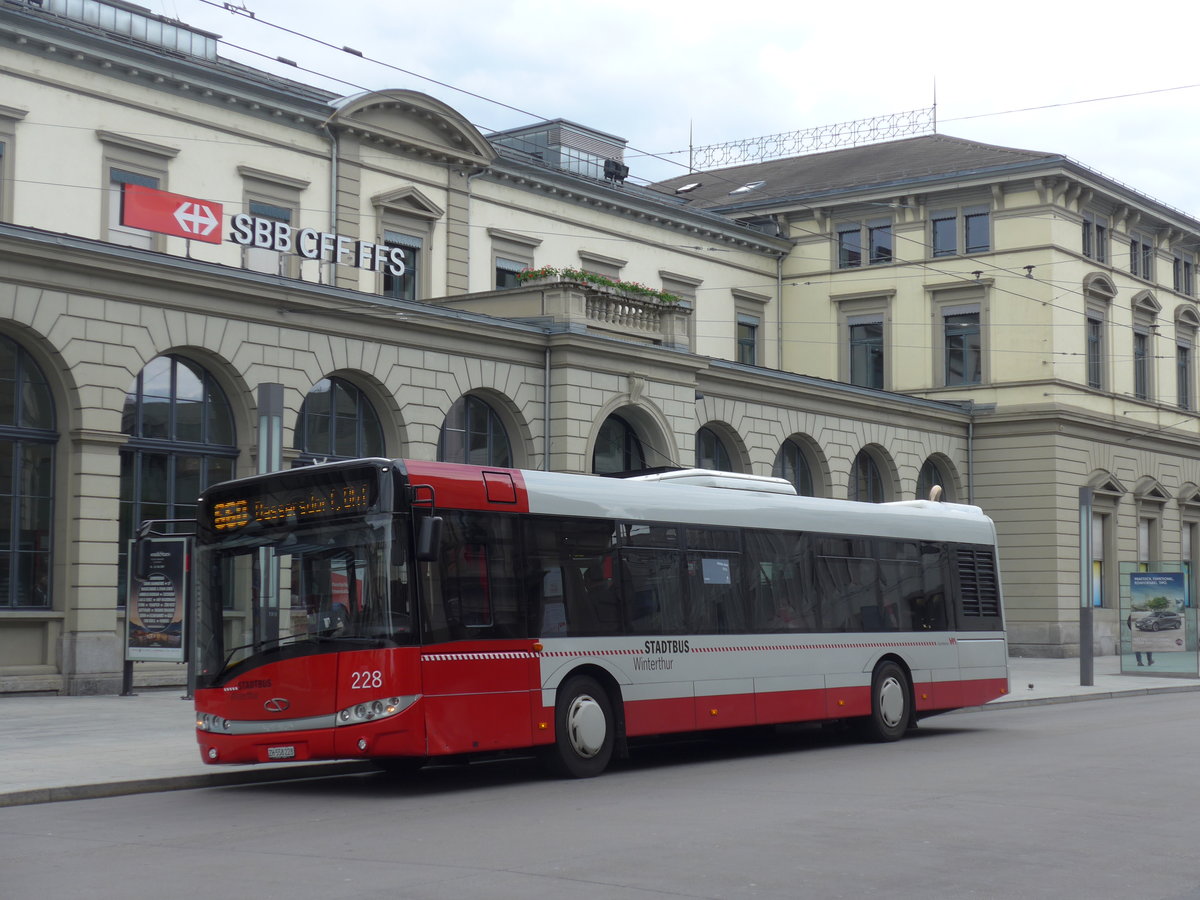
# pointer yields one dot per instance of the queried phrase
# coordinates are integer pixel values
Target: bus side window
(929, 608)
(554, 622)
(715, 592)
(650, 586)
(475, 594)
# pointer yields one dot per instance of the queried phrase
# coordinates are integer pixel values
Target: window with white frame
(959, 318)
(1183, 372)
(1095, 349)
(747, 340)
(511, 253)
(1145, 311)
(1141, 255)
(1095, 236)
(866, 350)
(406, 286)
(1187, 324)
(1183, 272)
(129, 160)
(276, 197)
(9, 117)
(963, 345)
(749, 309)
(863, 336)
(1098, 293)
(407, 219)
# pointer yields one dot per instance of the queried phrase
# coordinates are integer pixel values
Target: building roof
(893, 163)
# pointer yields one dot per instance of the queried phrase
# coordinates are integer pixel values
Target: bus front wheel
(891, 704)
(585, 729)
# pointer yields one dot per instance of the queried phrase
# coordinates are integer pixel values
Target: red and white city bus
(406, 611)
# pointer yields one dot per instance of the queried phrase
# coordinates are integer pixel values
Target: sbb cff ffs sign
(271, 234)
(188, 217)
(155, 210)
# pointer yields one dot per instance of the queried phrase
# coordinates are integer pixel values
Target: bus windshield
(319, 588)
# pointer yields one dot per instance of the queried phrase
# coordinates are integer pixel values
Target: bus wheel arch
(589, 726)
(892, 706)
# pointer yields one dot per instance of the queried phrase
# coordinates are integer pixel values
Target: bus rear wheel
(891, 704)
(584, 728)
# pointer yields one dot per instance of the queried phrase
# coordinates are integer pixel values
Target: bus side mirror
(429, 539)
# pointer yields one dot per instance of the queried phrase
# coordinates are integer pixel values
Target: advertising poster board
(157, 606)
(1156, 614)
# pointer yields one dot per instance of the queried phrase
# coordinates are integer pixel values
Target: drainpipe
(779, 312)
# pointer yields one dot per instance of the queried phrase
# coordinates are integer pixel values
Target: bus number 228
(366, 679)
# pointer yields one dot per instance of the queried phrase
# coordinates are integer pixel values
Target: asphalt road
(1081, 800)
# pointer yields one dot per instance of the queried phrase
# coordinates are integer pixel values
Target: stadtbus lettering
(271, 234)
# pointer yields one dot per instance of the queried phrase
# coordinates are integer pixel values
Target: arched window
(618, 448)
(866, 484)
(474, 434)
(711, 452)
(27, 440)
(931, 473)
(181, 440)
(792, 463)
(337, 421)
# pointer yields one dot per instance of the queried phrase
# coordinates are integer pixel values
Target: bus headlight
(374, 710)
(210, 722)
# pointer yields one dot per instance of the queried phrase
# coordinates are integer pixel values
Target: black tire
(585, 728)
(891, 704)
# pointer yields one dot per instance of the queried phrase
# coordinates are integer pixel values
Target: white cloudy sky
(651, 70)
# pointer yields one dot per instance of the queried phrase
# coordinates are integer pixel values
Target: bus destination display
(293, 507)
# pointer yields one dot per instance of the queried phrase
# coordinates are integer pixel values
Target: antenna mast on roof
(823, 137)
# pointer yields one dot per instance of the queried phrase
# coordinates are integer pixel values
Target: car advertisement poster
(1155, 619)
(157, 603)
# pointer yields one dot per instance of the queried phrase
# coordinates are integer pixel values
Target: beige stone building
(863, 322)
(1056, 306)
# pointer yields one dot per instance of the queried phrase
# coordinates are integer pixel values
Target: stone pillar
(92, 649)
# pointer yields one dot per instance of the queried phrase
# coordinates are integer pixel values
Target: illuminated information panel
(296, 506)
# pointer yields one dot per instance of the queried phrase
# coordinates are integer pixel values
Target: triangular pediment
(408, 201)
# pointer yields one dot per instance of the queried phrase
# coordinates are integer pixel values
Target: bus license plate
(281, 753)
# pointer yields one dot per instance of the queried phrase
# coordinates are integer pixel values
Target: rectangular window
(866, 353)
(849, 246)
(747, 340)
(123, 234)
(1095, 237)
(872, 239)
(1183, 270)
(945, 233)
(977, 232)
(506, 273)
(1095, 352)
(1141, 257)
(1183, 375)
(963, 348)
(261, 259)
(880, 237)
(403, 287)
(1141, 365)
